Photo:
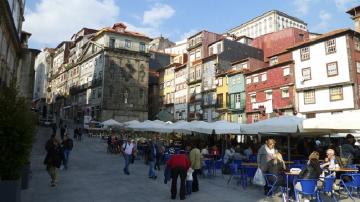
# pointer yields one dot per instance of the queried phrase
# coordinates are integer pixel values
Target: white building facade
(325, 77)
(268, 22)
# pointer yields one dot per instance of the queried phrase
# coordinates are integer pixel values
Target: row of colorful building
(285, 72)
(268, 66)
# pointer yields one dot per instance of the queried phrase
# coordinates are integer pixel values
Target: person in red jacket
(178, 164)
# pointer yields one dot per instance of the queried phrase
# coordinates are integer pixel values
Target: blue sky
(52, 21)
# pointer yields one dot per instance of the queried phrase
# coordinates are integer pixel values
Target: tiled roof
(321, 38)
(124, 32)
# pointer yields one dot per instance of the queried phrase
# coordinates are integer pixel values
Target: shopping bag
(259, 178)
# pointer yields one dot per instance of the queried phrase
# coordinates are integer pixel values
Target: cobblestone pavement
(95, 176)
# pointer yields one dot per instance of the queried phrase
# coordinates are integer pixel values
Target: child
(189, 179)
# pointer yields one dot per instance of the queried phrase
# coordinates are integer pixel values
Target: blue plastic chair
(236, 173)
(209, 166)
(352, 166)
(309, 188)
(354, 183)
(249, 172)
(328, 186)
(272, 184)
(252, 158)
(218, 165)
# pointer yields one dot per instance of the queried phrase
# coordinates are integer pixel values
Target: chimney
(119, 27)
(355, 15)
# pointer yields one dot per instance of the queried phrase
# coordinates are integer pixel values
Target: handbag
(259, 178)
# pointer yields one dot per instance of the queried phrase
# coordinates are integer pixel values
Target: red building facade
(270, 90)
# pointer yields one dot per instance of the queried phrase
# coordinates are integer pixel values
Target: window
(358, 67)
(305, 53)
(273, 61)
(301, 36)
(237, 101)
(218, 48)
(93, 93)
(285, 93)
(268, 94)
(310, 115)
(252, 98)
(330, 46)
(306, 73)
(263, 77)
(219, 100)
(256, 79)
(99, 92)
(220, 81)
(357, 43)
(336, 93)
(286, 71)
(332, 69)
(127, 43)
(255, 117)
(248, 80)
(309, 97)
(197, 54)
(112, 43)
(142, 47)
(211, 50)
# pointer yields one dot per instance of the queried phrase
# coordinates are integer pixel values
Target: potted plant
(17, 131)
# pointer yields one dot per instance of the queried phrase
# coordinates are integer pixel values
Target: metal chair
(236, 172)
(354, 183)
(328, 186)
(271, 182)
(308, 188)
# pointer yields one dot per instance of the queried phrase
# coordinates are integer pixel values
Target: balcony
(266, 106)
(238, 105)
(195, 97)
(193, 81)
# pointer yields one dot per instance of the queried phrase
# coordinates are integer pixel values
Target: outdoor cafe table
(252, 164)
(344, 170)
(287, 180)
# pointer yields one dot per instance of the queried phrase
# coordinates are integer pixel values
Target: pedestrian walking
(160, 153)
(53, 159)
(79, 133)
(189, 181)
(62, 132)
(67, 145)
(54, 127)
(178, 164)
(195, 159)
(127, 152)
(151, 155)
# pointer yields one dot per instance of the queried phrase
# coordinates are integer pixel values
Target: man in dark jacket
(62, 132)
(348, 150)
(67, 147)
(151, 156)
(53, 158)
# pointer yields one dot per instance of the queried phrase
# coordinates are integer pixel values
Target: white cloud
(53, 21)
(325, 20)
(302, 6)
(157, 14)
(345, 4)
